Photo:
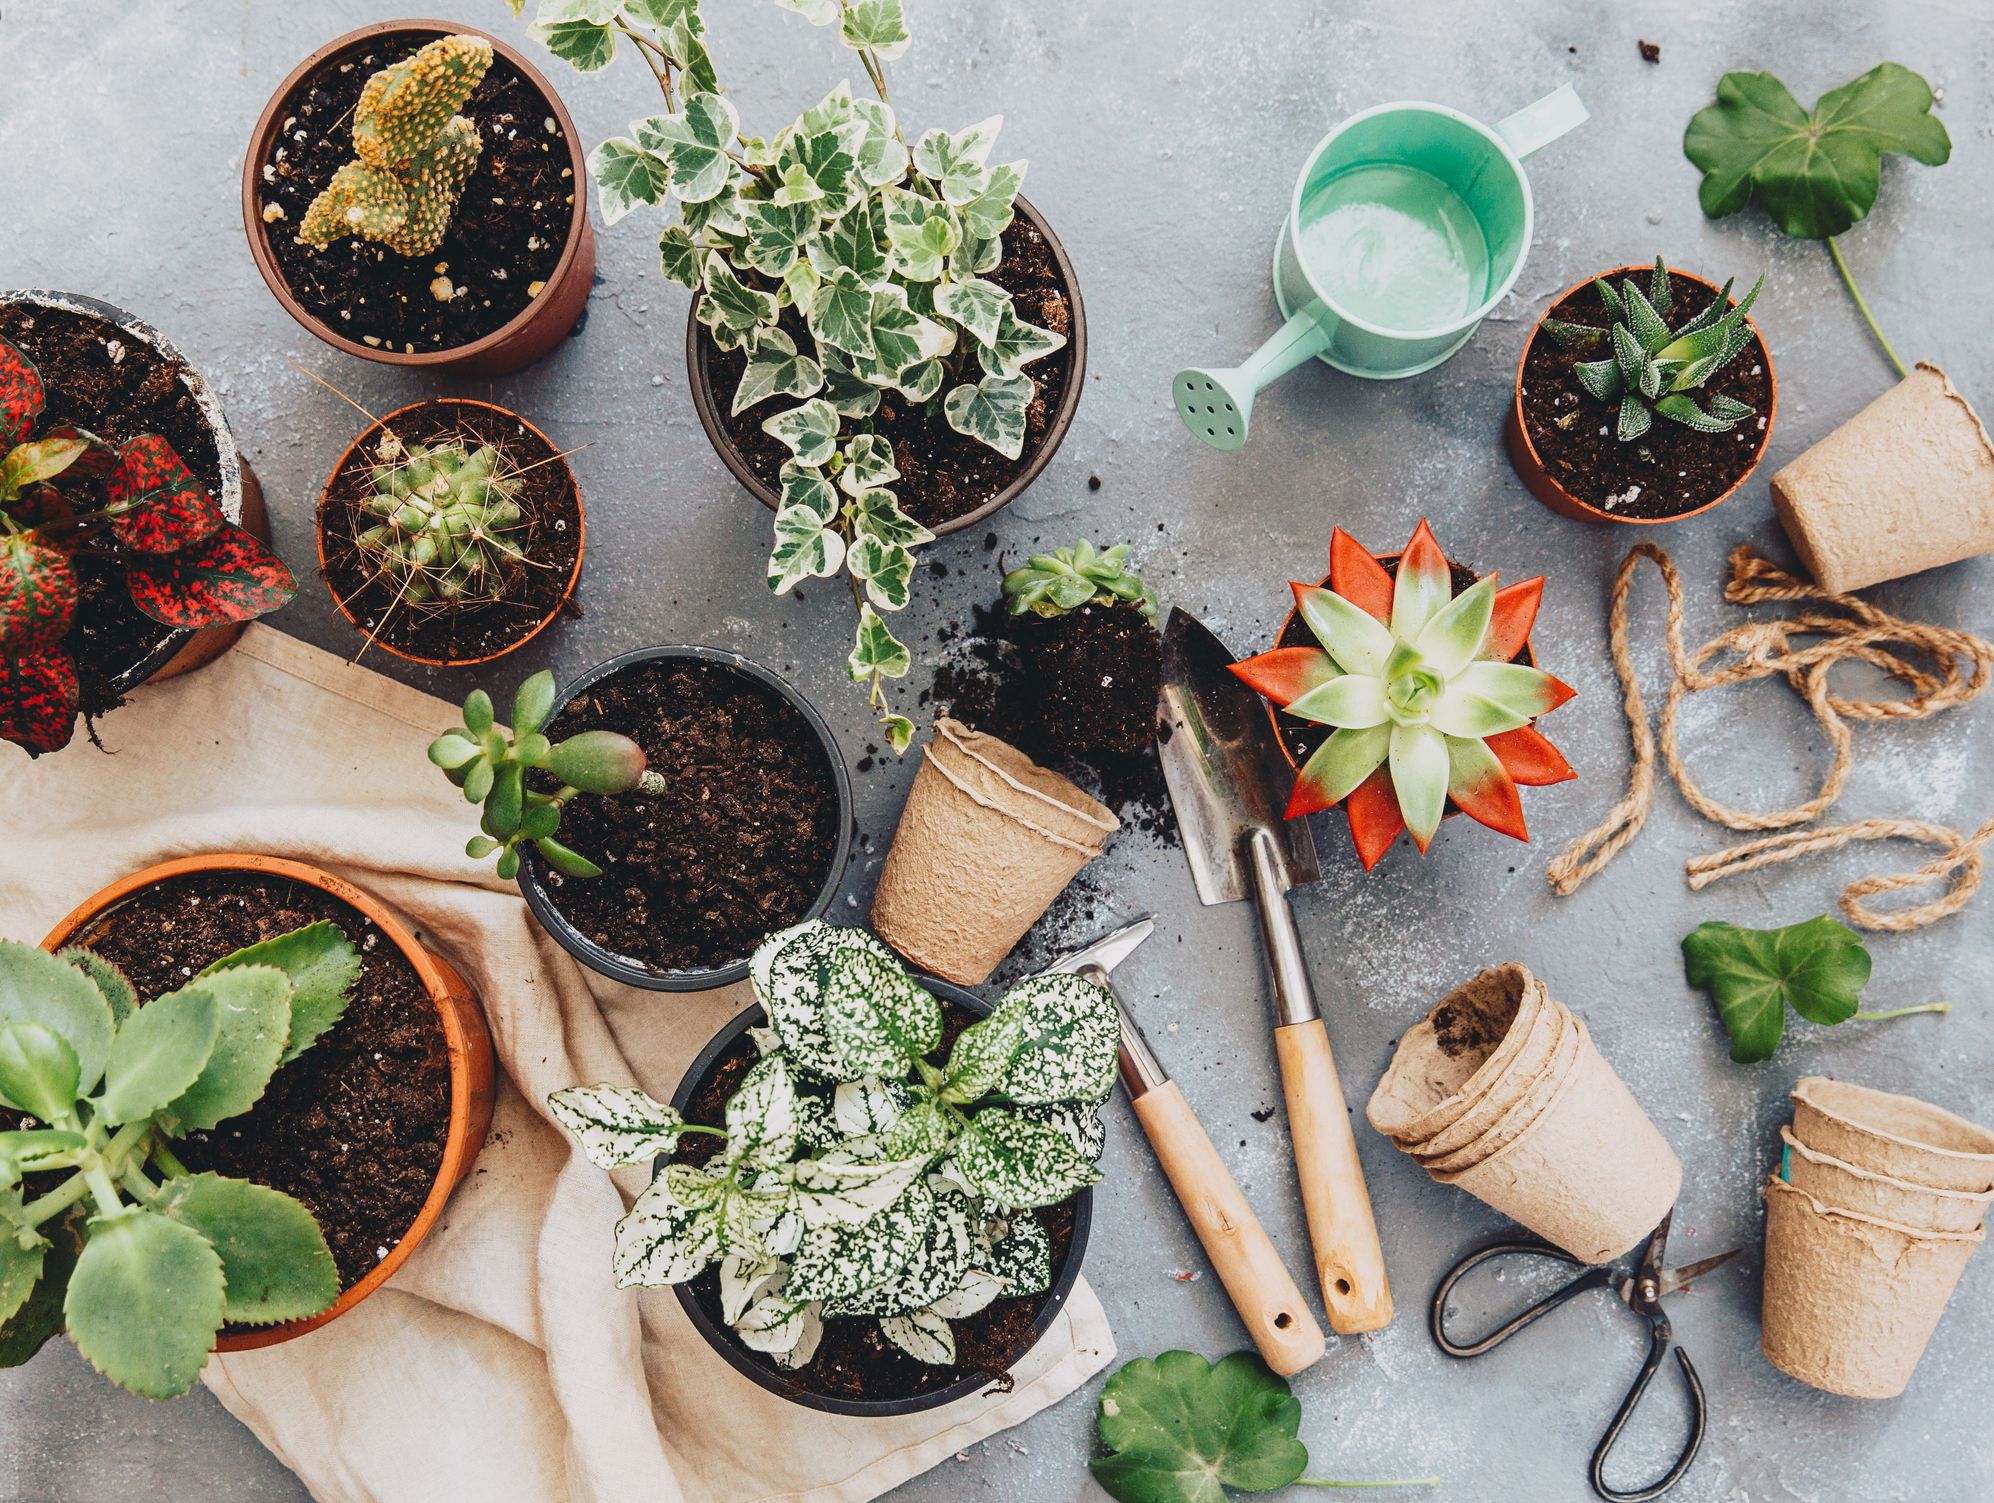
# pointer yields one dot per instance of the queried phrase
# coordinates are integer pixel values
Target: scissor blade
(1110, 950)
(1681, 1278)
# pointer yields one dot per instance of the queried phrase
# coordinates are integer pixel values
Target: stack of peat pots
(1499, 1090)
(1876, 1205)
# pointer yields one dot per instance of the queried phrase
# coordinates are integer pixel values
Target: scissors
(1642, 1291)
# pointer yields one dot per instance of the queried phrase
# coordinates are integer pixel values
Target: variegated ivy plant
(857, 1175)
(845, 264)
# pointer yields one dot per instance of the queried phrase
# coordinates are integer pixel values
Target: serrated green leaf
(255, 1005)
(992, 412)
(36, 987)
(617, 1125)
(39, 1319)
(107, 978)
(1818, 967)
(158, 1053)
(275, 1264)
(321, 961)
(20, 1271)
(145, 1301)
(1181, 1430)
(30, 1150)
(38, 1072)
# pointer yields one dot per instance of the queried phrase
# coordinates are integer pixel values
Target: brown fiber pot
(1530, 467)
(711, 410)
(538, 327)
(466, 1039)
(581, 523)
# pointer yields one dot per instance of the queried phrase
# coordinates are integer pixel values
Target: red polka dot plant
(68, 497)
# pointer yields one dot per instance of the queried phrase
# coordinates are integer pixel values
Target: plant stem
(1902, 1012)
(1391, 1482)
(1862, 305)
(58, 1200)
(120, 1146)
(662, 71)
(102, 1190)
(169, 1165)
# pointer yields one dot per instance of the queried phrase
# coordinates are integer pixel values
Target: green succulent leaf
(20, 1269)
(36, 987)
(323, 966)
(255, 1002)
(29, 1150)
(112, 982)
(275, 1262)
(1816, 172)
(1818, 967)
(992, 412)
(38, 1072)
(617, 1125)
(1180, 1429)
(145, 1301)
(39, 1318)
(159, 1052)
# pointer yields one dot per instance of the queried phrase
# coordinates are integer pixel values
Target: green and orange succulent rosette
(1430, 696)
(69, 496)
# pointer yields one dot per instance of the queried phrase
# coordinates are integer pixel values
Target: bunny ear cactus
(138, 1259)
(856, 1176)
(415, 152)
(1421, 687)
(69, 494)
(447, 537)
(1051, 584)
(846, 266)
(1651, 369)
(492, 769)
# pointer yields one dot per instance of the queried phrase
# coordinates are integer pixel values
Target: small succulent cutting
(1422, 688)
(140, 1260)
(450, 534)
(1653, 370)
(69, 498)
(414, 153)
(859, 1173)
(848, 266)
(492, 769)
(1051, 584)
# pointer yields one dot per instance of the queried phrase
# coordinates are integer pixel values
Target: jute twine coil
(1842, 629)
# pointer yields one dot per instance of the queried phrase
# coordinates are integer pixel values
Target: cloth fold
(500, 1362)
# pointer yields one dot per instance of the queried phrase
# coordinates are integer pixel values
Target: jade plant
(860, 1172)
(449, 534)
(846, 266)
(104, 1232)
(1052, 584)
(1651, 370)
(1816, 172)
(69, 498)
(1427, 703)
(491, 769)
(414, 153)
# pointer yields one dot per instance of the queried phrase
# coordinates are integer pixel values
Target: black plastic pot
(533, 870)
(762, 1372)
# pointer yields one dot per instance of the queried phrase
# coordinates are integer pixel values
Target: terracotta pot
(533, 872)
(764, 1374)
(581, 523)
(241, 498)
(1530, 467)
(712, 409)
(465, 1036)
(538, 327)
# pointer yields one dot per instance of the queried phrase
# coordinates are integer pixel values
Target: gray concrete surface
(1163, 138)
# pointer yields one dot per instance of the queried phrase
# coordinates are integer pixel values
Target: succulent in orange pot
(1417, 692)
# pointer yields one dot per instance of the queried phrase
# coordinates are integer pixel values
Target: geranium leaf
(323, 965)
(275, 1263)
(1182, 1430)
(1815, 172)
(617, 1125)
(230, 577)
(1819, 967)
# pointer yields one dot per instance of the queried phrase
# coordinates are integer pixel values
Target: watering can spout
(1217, 405)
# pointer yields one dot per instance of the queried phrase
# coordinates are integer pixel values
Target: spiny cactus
(449, 534)
(1051, 584)
(1653, 369)
(415, 152)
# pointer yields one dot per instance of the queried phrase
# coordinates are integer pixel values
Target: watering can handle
(1536, 126)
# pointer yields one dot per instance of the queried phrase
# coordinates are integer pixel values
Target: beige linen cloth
(500, 1363)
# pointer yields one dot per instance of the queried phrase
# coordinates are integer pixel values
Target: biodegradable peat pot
(1897, 1136)
(308, 119)
(552, 532)
(1447, 1063)
(1906, 484)
(1851, 1301)
(1847, 1188)
(1001, 1335)
(463, 1040)
(1548, 463)
(138, 382)
(756, 841)
(987, 840)
(755, 458)
(1590, 1173)
(1545, 1086)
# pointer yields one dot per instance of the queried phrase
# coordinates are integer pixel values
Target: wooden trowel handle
(1345, 1237)
(1275, 1313)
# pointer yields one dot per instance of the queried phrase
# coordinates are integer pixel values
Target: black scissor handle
(1658, 1348)
(1593, 1278)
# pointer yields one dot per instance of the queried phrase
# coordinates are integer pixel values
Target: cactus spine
(415, 152)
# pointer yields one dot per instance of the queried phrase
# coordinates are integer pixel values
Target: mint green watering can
(1409, 223)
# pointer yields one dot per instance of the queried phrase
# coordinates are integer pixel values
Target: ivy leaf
(873, 139)
(145, 1301)
(663, 14)
(876, 653)
(678, 256)
(920, 233)
(868, 463)
(851, 244)
(731, 308)
(777, 234)
(1819, 966)
(617, 1125)
(583, 45)
(844, 388)
(956, 162)
(775, 369)
(876, 26)
(977, 305)
(626, 175)
(841, 313)
(886, 568)
(992, 411)
(810, 432)
(694, 141)
(718, 215)
(1182, 1430)
(816, 12)
(877, 514)
(1816, 173)
(806, 547)
(275, 1263)
(990, 213)
(1016, 346)
(900, 336)
(815, 170)
(803, 485)
(1018, 1162)
(323, 966)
